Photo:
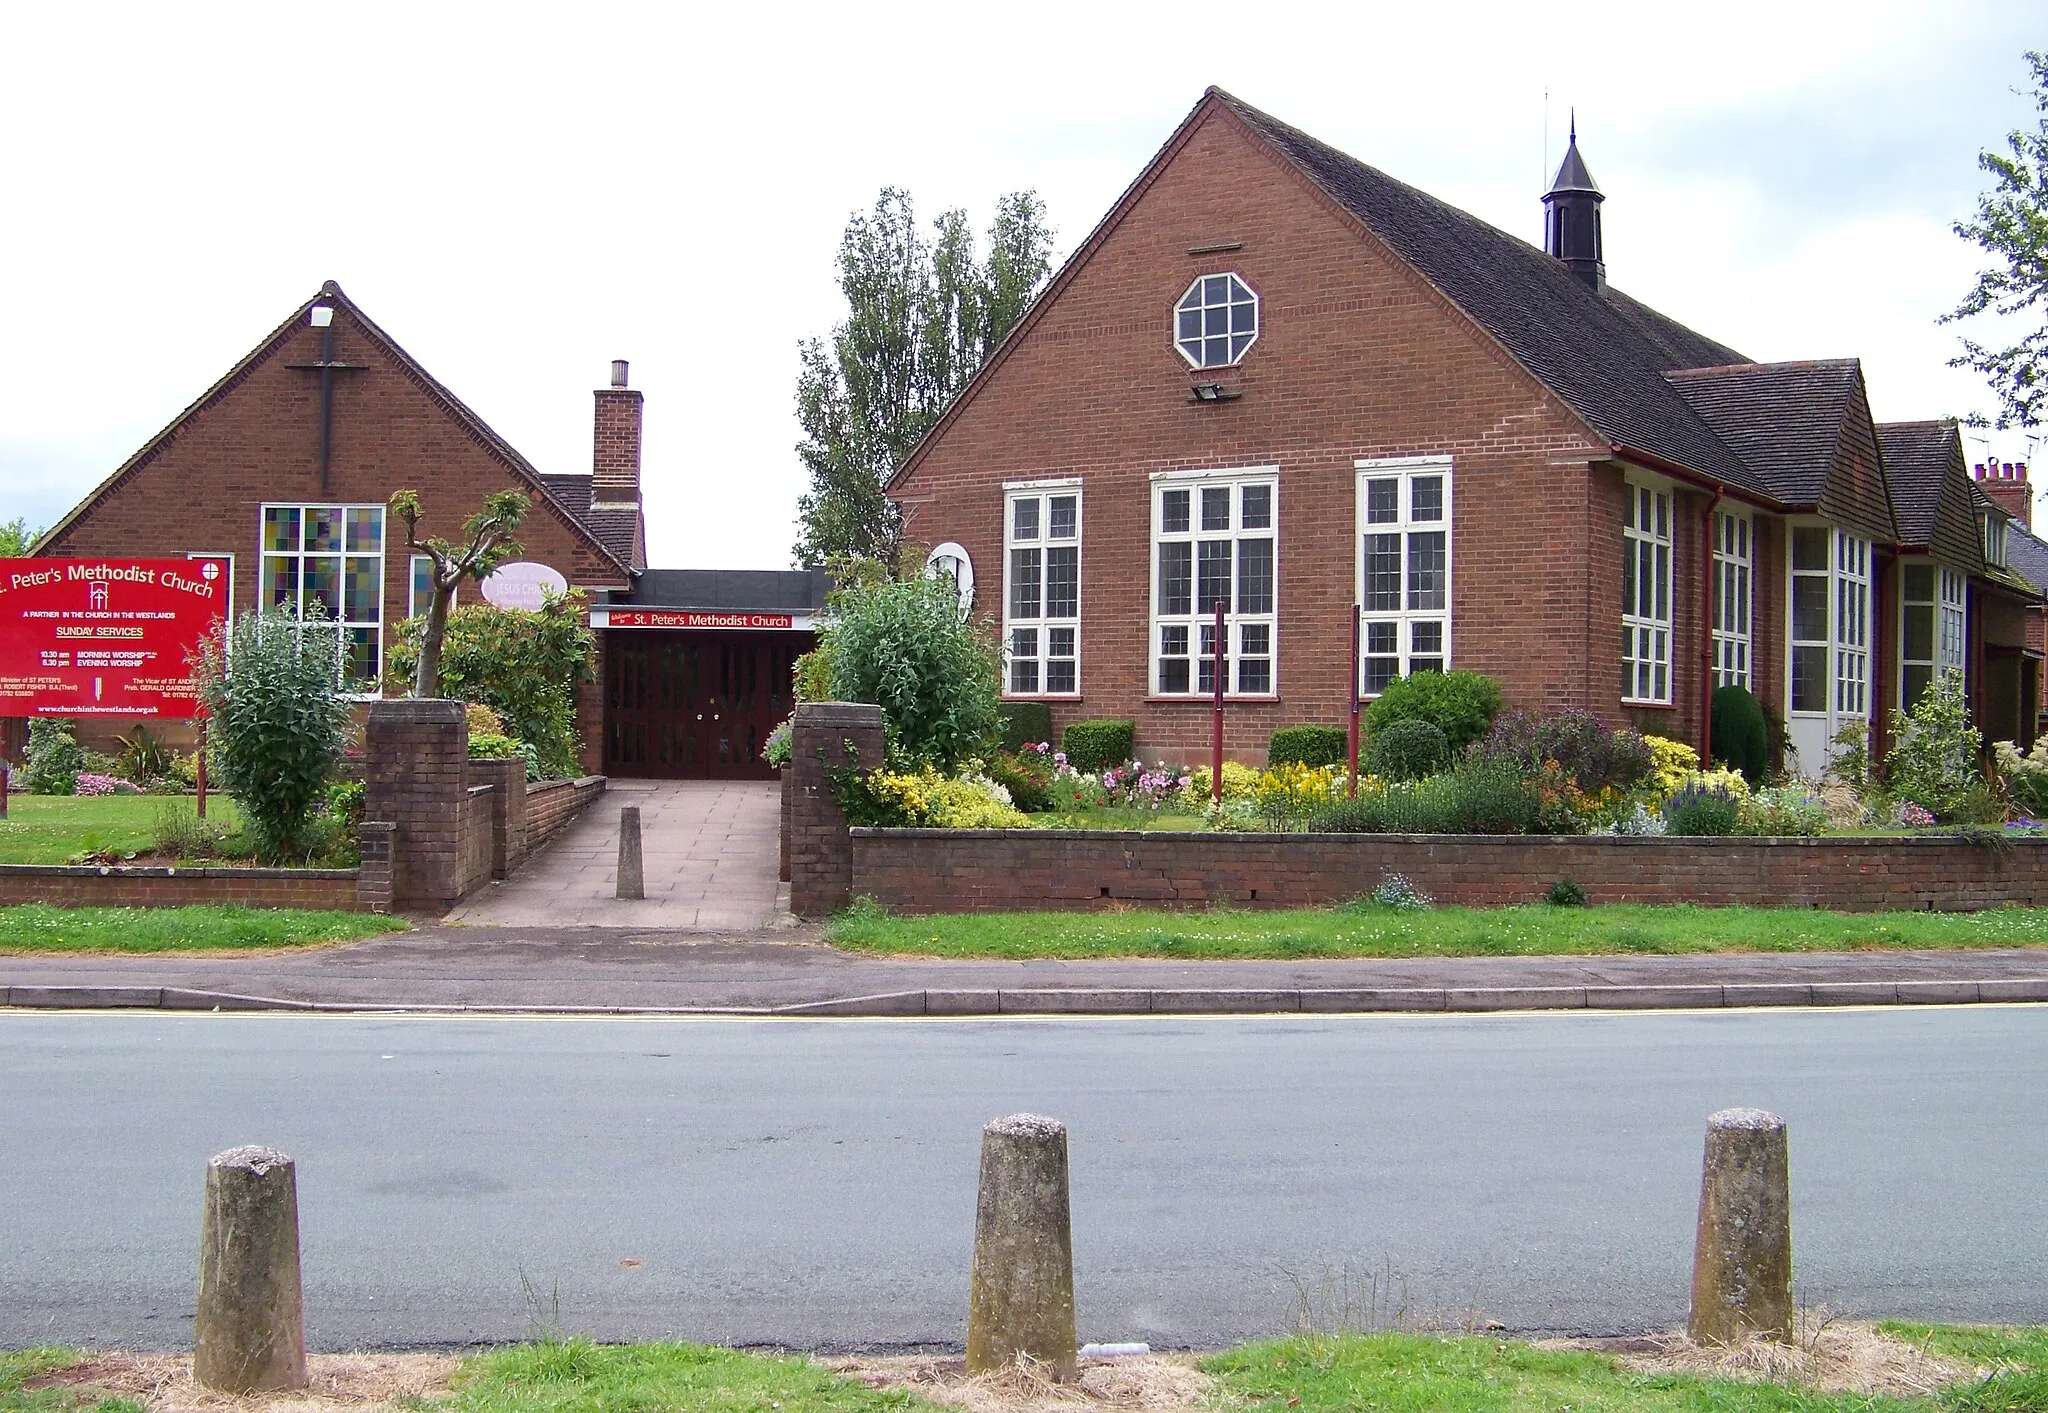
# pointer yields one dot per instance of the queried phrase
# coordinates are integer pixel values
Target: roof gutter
(1620, 451)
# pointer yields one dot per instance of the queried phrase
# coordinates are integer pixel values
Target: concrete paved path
(709, 849)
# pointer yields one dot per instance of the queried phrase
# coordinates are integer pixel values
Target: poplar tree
(923, 315)
(2012, 225)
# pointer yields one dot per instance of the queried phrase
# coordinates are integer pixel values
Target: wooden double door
(696, 704)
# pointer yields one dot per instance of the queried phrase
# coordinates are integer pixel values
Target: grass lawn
(1374, 930)
(34, 928)
(1309, 1374)
(50, 829)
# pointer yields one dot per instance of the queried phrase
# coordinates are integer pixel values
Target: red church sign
(666, 618)
(104, 637)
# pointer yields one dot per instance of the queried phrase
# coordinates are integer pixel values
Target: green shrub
(1461, 704)
(524, 664)
(1309, 745)
(1739, 737)
(1702, 809)
(53, 759)
(1565, 893)
(271, 688)
(1934, 763)
(812, 676)
(1027, 777)
(489, 747)
(1475, 798)
(901, 645)
(1024, 723)
(181, 834)
(1097, 745)
(144, 757)
(1409, 750)
(1595, 757)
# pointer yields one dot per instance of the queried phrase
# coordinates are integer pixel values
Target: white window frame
(1994, 539)
(413, 607)
(1734, 605)
(1198, 621)
(1945, 610)
(1199, 293)
(1845, 684)
(345, 624)
(1401, 623)
(1647, 614)
(1041, 658)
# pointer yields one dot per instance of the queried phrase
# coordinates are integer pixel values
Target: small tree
(487, 543)
(903, 647)
(16, 537)
(278, 721)
(1934, 762)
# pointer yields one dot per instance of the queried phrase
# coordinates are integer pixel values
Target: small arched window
(1216, 321)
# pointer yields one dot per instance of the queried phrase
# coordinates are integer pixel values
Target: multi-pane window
(1646, 594)
(1734, 561)
(1931, 619)
(1042, 595)
(1213, 542)
(420, 596)
(1830, 613)
(1852, 625)
(329, 559)
(1404, 572)
(1216, 321)
(1994, 539)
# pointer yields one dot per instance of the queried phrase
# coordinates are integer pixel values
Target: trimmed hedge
(1739, 735)
(1460, 704)
(1309, 745)
(1024, 722)
(1098, 745)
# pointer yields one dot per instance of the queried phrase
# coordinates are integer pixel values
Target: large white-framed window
(1734, 566)
(1830, 627)
(1931, 626)
(1216, 322)
(1852, 625)
(332, 556)
(1403, 569)
(1215, 539)
(1042, 588)
(1646, 592)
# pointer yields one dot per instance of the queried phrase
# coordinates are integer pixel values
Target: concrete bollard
(249, 1334)
(631, 882)
(1021, 1301)
(1742, 1258)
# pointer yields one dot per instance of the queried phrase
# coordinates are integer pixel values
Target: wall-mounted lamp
(1213, 392)
(323, 315)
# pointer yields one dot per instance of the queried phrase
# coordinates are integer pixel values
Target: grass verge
(1374, 930)
(50, 829)
(36, 928)
(17, 1366)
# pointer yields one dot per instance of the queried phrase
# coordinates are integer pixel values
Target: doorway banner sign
(105, 637)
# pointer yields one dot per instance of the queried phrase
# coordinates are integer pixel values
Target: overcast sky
(521, 194)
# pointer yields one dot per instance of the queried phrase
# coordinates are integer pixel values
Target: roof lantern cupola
(1571, 218)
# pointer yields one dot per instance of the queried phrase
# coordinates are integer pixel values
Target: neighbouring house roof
(2027, 556)
(1917, 460)
(729, 590)
(1602, 353)
(623, 532)
(331, 294)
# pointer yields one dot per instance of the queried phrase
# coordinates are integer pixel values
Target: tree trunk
(427, 681)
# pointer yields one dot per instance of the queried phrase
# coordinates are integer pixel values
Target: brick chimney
(2007, 486)
(615, 444)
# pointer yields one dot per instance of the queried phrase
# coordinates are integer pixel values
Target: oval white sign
(523, 585)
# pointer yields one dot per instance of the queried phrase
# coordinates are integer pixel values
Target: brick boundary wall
(551, 804)
(820, 852)
(975, 870)
(89, 886)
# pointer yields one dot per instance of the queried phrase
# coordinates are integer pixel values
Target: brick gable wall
(1357, 358)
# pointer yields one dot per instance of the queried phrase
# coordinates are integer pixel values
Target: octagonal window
(1216, 321)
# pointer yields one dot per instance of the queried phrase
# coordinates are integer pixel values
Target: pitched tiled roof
(1601, 353)
(1917, 461)
(623, 532)
(730, 590)
(1783, 419)
(2026, 556)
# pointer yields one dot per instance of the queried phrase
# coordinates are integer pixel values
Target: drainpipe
(1707, 631)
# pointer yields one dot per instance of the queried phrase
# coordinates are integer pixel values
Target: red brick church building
(1280, 380)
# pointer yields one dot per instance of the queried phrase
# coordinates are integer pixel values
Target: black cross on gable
(327, 366)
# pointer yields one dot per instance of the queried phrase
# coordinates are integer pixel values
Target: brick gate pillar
(416, 777)
(820, 849)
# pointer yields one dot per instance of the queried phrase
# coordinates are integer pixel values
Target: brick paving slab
(708, 849)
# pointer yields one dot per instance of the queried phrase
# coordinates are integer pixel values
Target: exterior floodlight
(323, 315)
(1212, 392)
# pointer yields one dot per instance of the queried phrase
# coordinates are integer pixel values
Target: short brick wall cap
(839, 714)
(425, 709)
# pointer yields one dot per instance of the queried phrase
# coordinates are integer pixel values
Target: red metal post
(1352, 749)
(201, 775)
(1216, 726)
(6, 773)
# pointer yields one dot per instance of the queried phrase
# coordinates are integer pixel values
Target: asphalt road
(812, 1183)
